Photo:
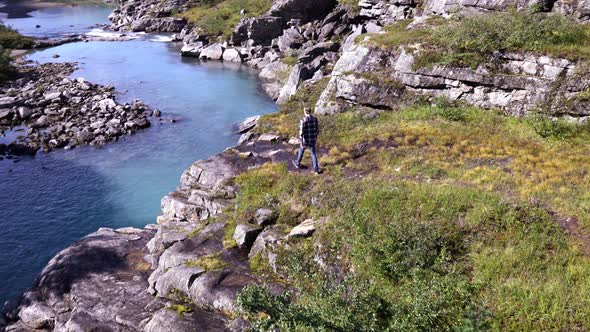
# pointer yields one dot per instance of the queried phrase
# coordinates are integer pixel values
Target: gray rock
(7, 101)
(197, 320)
(248, 124)
(85, 136)
(302, 9)
(212, 52)
(232, 55)
(245, 234)
(24, 113)
(5, 114)
(219, 289)
(52, 95)
(163, 281)
(260, 30)
(275, 72)
(265, 217)
(192, 49)
(305, 229)
(269, 138)
(246, 137)
(38, 316)
(290, 39)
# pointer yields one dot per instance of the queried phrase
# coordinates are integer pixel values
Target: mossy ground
(442, 217)
(219, 17)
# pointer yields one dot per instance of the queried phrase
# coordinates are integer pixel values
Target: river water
(52, 200)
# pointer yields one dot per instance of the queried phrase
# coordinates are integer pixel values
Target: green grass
(11, 39)
(207, 263)
(217, 18)
(427, 257)
(471, 40)
(180, 309)
(453, 225)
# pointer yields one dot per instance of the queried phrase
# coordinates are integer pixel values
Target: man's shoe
(295, 164)
(318, 172)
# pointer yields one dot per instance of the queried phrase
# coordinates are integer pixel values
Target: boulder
(291, 39)
(192, 49)
(248, 124)
(52, 95)
(212, 52)
(246, 137)
(268, 138)
(7, 101)
(24, 113)
(5, 114)
(232, 55)
(219, 289)
(38, 316)
(260, 30)
(305, 229)
(245, 234)
(265, 217)
(275, 72)
(312, 52)
(302, 9)
(163, 281)
(196, 320)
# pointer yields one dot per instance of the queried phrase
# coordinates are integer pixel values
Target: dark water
(52, 200)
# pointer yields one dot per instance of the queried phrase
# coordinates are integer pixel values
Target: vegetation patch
(180, 309)
(219, 17)
(207, 263)
(442, 217)
(11, 39)
(468, 41)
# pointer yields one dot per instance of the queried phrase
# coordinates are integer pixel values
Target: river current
(54, 199)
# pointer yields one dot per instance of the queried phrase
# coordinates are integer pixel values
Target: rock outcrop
(372, 77)
(137, 280)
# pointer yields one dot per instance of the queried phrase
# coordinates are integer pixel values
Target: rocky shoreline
(180, 275)
(55, 111)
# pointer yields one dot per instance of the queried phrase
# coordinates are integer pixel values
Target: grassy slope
(470, 41)
(453, 224)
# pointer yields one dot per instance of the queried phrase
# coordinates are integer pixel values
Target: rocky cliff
(185, 273)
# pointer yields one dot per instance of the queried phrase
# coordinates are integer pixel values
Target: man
(308, 134)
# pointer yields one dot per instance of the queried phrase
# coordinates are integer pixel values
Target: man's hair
(307, 110)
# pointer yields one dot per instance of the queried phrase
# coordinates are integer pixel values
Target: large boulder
(245, 234)
(212, 52)
(260, 30)
(302, 9)
(232, 55)
(290, 39)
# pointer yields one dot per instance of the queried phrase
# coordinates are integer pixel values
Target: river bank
(120, 184)
(432, 214)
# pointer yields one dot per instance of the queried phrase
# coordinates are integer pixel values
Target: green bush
(11, 39)
(6, 69)
(546, 127)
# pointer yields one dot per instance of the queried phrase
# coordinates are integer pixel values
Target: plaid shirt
(309, 129)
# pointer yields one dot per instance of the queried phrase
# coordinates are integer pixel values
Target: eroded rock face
(379, 79)
(302, 9)
(90, 284)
